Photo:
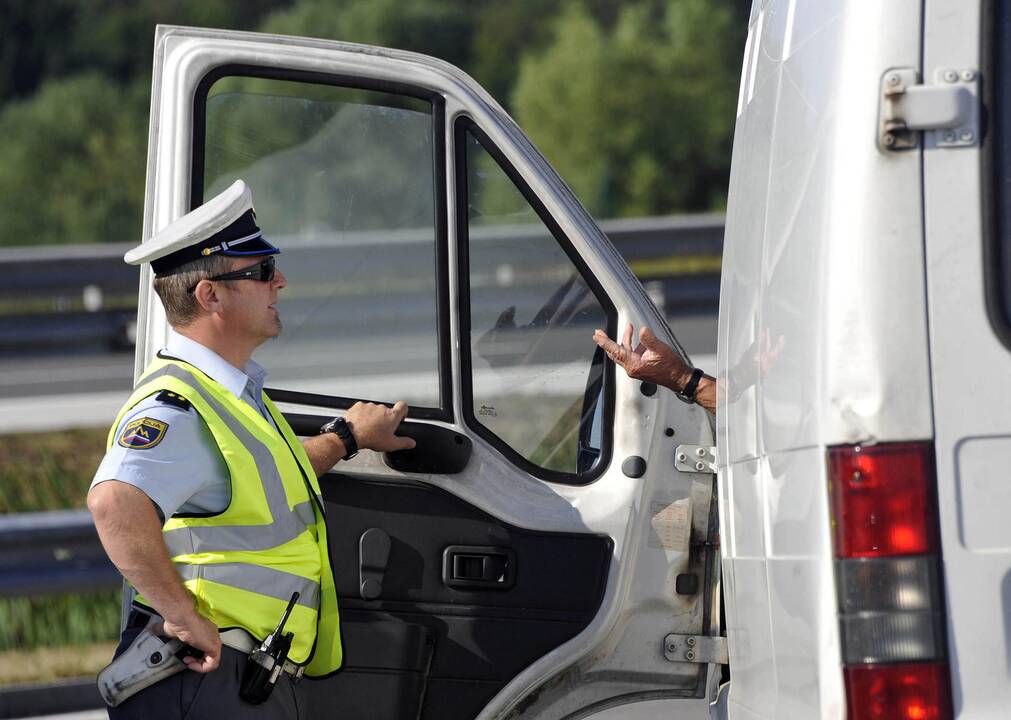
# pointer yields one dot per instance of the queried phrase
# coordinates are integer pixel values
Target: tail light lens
(883, 499)
(898, 692)
(891, 609)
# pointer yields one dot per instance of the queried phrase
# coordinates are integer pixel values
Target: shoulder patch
(143, 433)
(170, 398)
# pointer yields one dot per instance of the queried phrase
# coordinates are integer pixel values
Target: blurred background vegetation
(632, 101)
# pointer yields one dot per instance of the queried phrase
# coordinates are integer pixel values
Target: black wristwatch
(687, 393)
(339, 427)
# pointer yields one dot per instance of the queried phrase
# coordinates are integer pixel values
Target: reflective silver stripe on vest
(255, 578)
(287, 524)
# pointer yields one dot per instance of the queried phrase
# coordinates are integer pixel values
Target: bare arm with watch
(366, 426)
(654, 361)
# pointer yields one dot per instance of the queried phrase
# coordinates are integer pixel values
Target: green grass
(48, 471)
(73, 619)
(52, 471)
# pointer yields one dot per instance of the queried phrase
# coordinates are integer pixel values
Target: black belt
(235, 638)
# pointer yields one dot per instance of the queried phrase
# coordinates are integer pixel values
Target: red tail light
(883, 498)
(888, 578)
(898, 692)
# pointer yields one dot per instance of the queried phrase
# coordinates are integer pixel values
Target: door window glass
(536, 380)
(997, 249)
(343, 182)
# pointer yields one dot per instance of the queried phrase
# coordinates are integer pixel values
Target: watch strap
(339, 427)
(687, 393)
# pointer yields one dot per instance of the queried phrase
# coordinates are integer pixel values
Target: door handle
(373, 555)
(478, 567)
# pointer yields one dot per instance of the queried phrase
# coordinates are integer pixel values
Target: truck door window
(534, 384)
(997, 247)
(345, 183)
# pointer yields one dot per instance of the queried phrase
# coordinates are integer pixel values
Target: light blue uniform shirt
(184, 471)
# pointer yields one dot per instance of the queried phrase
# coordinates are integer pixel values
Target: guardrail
(49, 553)
(62, 299)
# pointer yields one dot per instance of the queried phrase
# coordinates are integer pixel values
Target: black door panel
(479, 638)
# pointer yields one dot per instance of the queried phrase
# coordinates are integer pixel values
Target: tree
(40, 41)
(76, 172)
(638, 118)
(435, 27)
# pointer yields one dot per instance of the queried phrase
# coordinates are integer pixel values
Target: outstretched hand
(652, 360)
(374, 426)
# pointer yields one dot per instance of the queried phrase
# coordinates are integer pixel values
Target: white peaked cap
(225, 224)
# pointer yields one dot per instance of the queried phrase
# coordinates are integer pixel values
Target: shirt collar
(216, 367)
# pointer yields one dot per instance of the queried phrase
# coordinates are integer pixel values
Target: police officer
(206, 501)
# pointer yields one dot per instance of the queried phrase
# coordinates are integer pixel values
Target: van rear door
(538, 554)
(968, 246)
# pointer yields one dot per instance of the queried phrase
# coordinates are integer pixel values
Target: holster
(148, 659)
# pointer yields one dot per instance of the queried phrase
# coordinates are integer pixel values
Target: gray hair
(181, 306)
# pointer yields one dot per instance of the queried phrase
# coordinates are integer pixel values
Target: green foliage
(73, 619)
(76, 171)
(434, 27)
(42, 41)
(632, 102)
(638, 118)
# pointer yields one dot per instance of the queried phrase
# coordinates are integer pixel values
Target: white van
(555, 539)
(863, 504)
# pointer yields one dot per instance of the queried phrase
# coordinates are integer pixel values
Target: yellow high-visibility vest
(243, 564)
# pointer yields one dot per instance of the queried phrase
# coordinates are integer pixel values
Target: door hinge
(695, 458)
(947, 111)
(696, 649)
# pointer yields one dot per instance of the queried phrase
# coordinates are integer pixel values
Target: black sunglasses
(262, 271)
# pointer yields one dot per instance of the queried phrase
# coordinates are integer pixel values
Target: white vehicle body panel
(618, 658)
(823, 262)
(872, 267)
(972, 421)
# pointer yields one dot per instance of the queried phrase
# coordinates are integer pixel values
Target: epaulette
(170, 398)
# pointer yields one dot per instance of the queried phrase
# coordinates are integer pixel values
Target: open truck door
(543, 552)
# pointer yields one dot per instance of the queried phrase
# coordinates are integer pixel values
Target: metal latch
(696, 649)
(695, 458)
(947, 111)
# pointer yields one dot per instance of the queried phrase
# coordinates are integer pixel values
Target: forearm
(705, 392)
(324, 451)
(131, 533)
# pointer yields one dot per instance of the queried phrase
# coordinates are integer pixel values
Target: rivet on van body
(968, 75)
(949, 136)
(701, 452)
(893, 79)
(966, 136)
(682, 457)
(950, 76)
